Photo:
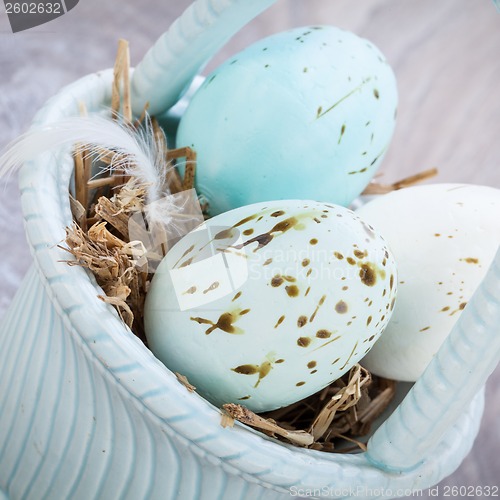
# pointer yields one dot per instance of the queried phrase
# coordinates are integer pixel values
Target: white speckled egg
(444, 238)
(269, 303)
(308, 113)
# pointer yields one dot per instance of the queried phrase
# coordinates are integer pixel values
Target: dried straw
(341, 412)
(376, 188)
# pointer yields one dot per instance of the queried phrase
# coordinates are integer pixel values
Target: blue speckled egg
(269, 303)
(308, 113)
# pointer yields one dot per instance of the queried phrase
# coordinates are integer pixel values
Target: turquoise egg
(308, 113)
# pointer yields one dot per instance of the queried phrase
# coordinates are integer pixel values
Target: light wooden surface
(446, 56)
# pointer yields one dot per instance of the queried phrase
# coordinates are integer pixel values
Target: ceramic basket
(86, 411)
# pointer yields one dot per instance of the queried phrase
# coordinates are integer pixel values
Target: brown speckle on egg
(368, 320)
(278, 213)
(359, 254)
(303, 341)
(311, 364)
(267, 262)
(248, 232)
(320, 303)
(224, 235)
(350, 355)
(187, 262)
(370, 231)
(246, 369)
(425, 329)
(277, 281)
(298, 384)
(190, 290)
(212, 287)
(280, 320)
(368, 275)
(279, 361)
(245, 220)
(313, 241)
(323, 334)
(190, 249)
(470, 260)
(351, 261)
(224, 323)
(305, 262)
(342, 131)
(338, 255)
(292, 290)
(341, 307)
(301, 321)
(236, 297)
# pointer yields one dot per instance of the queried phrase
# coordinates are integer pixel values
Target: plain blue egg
(308, 113)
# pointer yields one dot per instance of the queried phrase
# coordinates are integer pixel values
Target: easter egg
(271, 302)
(308, 113)
(444, 238)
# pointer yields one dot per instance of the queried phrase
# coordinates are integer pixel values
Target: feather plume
(140, 155)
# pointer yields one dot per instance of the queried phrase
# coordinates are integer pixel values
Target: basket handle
(441, 395)
(192, 40)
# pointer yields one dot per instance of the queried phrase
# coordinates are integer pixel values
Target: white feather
(145, 159)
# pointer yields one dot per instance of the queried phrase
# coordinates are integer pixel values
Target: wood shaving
(113, 214)
(185, 382)
(106, 256)
(227, 421)
(244, 415)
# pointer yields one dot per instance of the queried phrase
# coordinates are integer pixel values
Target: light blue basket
(86, 411)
